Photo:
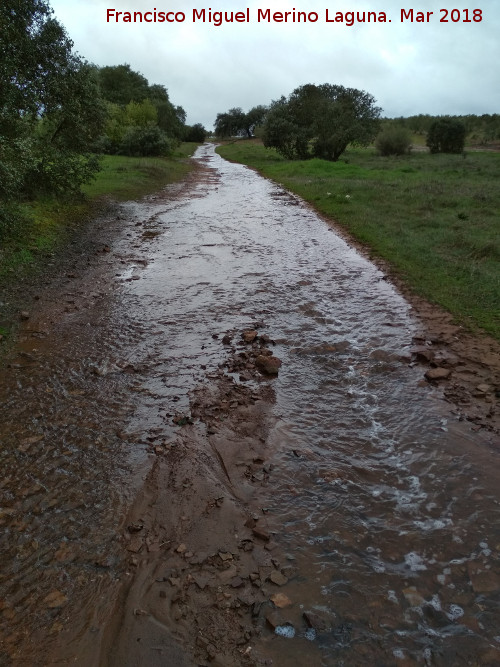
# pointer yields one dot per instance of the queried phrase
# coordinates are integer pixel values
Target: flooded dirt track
(164, 502)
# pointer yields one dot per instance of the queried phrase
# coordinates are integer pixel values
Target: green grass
(434, 218)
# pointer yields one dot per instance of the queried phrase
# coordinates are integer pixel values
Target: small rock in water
(277, 578)
(249, 336)
(281, 600)
(268, 364)
(316, 621)
(274, 619)
(437, 374)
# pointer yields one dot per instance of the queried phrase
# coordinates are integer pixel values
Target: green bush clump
(446, 135)
(146, 142)
(393, 141)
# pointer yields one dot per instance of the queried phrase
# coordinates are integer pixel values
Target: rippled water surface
(387, 507)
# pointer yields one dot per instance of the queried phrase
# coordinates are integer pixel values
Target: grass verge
(433, 218)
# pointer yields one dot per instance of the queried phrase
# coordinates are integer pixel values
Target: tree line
(323, 120)
(58, 112)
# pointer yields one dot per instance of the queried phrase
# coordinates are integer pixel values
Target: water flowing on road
(384, 506)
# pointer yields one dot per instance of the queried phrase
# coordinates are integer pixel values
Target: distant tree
(157, 93)
(253, 118)
(120, 84)
(230, 124)
(171, 119)
(446, 135)
(195, 133)
(321, 121)
(129, 92)
(237, 123)
(393, 140)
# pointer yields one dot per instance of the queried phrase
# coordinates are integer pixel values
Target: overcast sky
(410, 68)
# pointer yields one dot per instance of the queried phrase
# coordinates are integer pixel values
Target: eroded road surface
(164, 501)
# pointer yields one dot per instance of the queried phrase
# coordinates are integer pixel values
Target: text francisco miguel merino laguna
(217, 18)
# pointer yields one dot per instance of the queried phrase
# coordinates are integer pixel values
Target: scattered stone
(226, 340)
(281, 600)
(140, 612)
(181, 548)
(24, 315)
(483, 388)
(422, 353)
(437, 374)
(55, 599)
(249, 336)
(135, 527)
(268, 364)
(174, 581)
(163, 594)
(261, 533)
(237, 582)
(225, 555)
(135, 544)
(256, 607)
(105, 562)
(274, 619)
(316, 621)
(200, 581)
(182, 420)
(277, 578)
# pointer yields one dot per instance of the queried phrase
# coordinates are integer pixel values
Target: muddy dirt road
(167, 501)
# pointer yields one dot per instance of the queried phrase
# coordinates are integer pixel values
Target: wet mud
(227, 439)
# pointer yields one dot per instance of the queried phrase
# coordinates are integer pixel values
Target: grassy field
(434, 218)
(48, 221)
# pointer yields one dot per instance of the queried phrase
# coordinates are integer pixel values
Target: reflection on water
(387, 509)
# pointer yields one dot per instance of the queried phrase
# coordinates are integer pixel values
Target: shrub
(446, 135)
(195, 133)
(146, 142)
(393, 141)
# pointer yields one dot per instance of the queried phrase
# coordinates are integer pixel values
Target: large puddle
(386, 508)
